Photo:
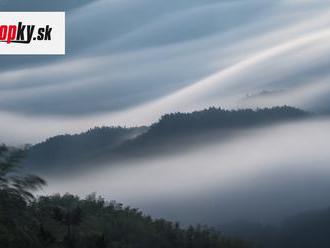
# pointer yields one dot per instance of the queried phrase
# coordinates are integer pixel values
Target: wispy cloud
(153, 57)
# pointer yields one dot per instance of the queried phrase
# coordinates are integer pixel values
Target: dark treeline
(183, 124)
(170, 134)
(69, 150)
(181, 131)
(215, 118)
(68, 221)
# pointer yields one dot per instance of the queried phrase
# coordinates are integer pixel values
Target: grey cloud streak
(153, 57)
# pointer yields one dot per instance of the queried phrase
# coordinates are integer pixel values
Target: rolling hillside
(171, 133)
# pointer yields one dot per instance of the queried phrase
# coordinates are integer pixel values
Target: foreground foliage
(68, 221)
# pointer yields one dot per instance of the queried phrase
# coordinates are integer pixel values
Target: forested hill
(113, 143)
(75, 149)
(217, 118)
(71, 222)
(185, 130)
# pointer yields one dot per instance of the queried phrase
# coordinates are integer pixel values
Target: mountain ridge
(172, 132)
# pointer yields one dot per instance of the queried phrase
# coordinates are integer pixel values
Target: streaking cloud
(172, 56)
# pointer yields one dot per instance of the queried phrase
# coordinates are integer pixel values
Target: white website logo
(32, 33)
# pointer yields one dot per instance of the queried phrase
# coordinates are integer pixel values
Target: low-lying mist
(262, 174)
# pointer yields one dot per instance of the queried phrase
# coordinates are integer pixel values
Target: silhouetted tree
(15, 195)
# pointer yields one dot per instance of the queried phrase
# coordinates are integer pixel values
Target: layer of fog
(152, 57)
(263, 174)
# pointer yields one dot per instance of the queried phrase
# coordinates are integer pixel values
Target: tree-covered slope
(70, 222)
(67, 221)
(179, 130)
(74, 149)
(172, 133)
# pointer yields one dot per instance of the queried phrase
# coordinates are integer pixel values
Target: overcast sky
(129, 61)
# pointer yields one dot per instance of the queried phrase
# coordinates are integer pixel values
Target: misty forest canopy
(116, 143)
(217, 118)
(68, 221)
(61, 221)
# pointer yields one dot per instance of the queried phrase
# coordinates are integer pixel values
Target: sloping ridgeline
(209, 125)
(217, 118)
(71, 222)
(172, 133)
(69, 150)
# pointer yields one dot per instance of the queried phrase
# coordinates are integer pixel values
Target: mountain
(173, 132)
(68, 221)
(219, 123)
(67, 150)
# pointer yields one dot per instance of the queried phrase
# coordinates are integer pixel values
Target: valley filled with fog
(264, 175)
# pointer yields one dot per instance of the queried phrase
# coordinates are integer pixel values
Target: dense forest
(172, 132)
(68, 221)
(212, 120)
(60, 221)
